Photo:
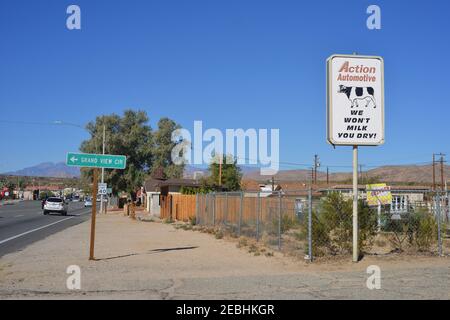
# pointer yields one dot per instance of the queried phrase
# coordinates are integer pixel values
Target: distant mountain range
(48, 169)
(395, 174)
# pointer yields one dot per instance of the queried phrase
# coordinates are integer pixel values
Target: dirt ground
(154, 260)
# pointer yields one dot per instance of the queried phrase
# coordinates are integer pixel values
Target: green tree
(231, 173)
(128, 135)
(163, 149)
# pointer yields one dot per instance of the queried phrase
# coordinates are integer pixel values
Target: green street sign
(106, 161)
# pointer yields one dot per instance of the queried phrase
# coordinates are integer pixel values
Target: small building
(403, 197)
(157, 188)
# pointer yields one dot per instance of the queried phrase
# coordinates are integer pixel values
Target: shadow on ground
(154, 251)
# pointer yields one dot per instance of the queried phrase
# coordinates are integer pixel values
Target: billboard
(355, 100)
(378, 192)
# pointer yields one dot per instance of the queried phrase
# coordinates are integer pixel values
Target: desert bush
(168, 221)
(332, 226)
(242, 242)
(320, 236)
(422, 231)
(418, 228)
(219, 234)
(287, 223)
(336, 213)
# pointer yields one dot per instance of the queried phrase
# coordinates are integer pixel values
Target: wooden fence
(178, 207)
(225, 208)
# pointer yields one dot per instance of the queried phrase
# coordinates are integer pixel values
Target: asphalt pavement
(24, 223)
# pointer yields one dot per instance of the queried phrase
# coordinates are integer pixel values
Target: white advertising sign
(355, 100)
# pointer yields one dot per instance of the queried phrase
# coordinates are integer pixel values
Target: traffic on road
(25, 222)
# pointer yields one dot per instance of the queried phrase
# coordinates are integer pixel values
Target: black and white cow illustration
(359, 96)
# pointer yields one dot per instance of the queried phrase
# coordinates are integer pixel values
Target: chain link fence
(319, 224)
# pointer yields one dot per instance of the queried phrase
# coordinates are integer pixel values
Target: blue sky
(231, 64)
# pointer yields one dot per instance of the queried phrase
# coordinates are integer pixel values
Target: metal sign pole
(355, 204)
(379, 215)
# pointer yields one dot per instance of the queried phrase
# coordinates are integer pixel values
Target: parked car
(88, 203)
(55, 204)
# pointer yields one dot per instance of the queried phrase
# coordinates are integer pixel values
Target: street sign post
(102, 189)
(95, 161)
(94, 214)
(377, 195)
(106, 161)
(355, 111)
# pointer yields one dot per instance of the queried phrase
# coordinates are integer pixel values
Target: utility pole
(328, 177)
(361, 173)
(273, 183)
(442, 172)
(441, 160)
(434, 175)
(316, 165)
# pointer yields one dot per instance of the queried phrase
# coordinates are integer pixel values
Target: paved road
(23, 223)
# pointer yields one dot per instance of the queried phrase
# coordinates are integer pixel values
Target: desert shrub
(253, 248)
(422, 231)
(418, 228)
(242, 242)
(219, 234)
(320, 236)
(397, 230)
(332, 226)
(192, 221)
(367, 224)
(287, 223)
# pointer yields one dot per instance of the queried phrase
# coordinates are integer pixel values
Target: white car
(54, 204)
(88, 203)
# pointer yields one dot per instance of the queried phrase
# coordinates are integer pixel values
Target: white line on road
(37, 229)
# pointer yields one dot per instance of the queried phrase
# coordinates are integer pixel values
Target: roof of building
(363, 187)
(44, 188)
(156, 184)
